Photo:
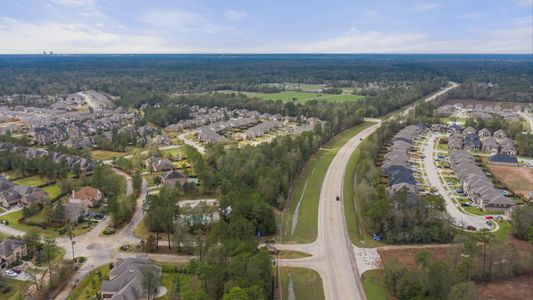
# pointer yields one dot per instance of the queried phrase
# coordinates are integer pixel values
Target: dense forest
(139, 76)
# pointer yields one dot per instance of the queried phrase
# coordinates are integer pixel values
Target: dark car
(338, 198)
(17, 270)
(470, 227)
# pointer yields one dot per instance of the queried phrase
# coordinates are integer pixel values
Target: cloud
(19, 37)
(427, 6)
(179, 20)
(75, 3)
(525, 2)
(235, 15)
(505, 40)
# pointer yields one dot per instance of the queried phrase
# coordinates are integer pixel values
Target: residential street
(434, 180)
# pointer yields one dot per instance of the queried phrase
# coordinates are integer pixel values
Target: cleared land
(306, 283)
(511, 289)
(299, 96)
(518, 179)
(313, 174)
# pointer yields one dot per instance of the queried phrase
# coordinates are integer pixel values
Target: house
(455, 128)
(12, 194)
(87, 195)
(455, 142)
(503, 159)
(469, 130)
(509, 149)
(499, 134)
(484, 132)
(490, 145)
(74, 211)
(438, 128)
(11, 251)
(125, 279)
(159, 164)
(472, 142)
(174, 176)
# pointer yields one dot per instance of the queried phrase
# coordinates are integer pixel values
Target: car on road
(338, 198)
(489, 217)
(471, 228)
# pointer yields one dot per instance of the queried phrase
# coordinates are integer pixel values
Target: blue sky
(266, 26)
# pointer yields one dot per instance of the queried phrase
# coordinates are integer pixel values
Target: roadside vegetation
(306, 190)
(306, 283)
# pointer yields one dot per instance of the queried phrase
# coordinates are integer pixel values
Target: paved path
(434, 180)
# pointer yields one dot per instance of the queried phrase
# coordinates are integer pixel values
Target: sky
(266, 26)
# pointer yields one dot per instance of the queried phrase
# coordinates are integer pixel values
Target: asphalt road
(434, 180)
(333, 254)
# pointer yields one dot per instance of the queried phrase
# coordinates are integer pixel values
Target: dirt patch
(482, 102)
(513, 289)
(406, 256)
(518, 179)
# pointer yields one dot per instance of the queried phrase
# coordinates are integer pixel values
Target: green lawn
(168, 280)
(90, 285)
(16, 289)
(52, 190)
(299, 96)
(374, 285)
(355, 226)
(285, 254)
(504, 232)
(105, 155)
(307, 284)
(31, 181)
(17, 215)
(313, 174)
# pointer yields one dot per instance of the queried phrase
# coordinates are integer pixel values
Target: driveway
(433, 179)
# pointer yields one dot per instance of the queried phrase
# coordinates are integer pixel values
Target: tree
(32, 239)
(49, 250)
(485, 237)
(463, 291)
(236, 293)
(176, 289)
(69, 231)
(136, 181)
(151, 275)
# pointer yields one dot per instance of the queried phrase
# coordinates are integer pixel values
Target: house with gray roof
(126, 280)
(11, 251)
(490, 145)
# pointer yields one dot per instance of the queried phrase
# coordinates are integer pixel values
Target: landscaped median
(307, 189)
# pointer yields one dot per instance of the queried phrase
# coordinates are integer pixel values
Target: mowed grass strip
(306, 283)
(374, 285)
(313, 173)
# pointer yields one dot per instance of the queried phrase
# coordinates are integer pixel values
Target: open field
(374, 285)
(90, 285)
(517, 179)
(313, 174)
(14, 217)
(104, 154)
(306, 283)
(508, 289)
(299, 96)
(406, 256)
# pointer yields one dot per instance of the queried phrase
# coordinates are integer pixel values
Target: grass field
(374, 285)
(90, 285)
(300, 96)
(105, 155)
(16, 289)
(291, 254)
(31, 181)
(313, 174)
(354, 224)
(52, 190)
(307, 284)
(13, 218)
